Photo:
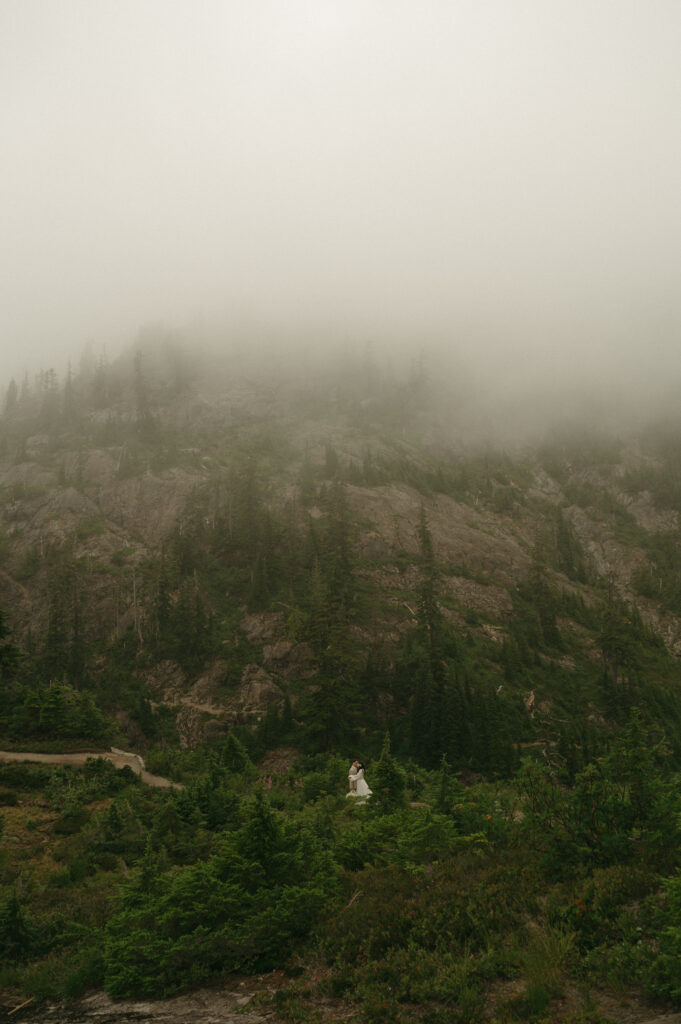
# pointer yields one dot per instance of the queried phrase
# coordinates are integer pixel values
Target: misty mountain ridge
(482, 391)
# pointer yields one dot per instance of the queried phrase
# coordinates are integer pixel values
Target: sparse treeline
(162, 366)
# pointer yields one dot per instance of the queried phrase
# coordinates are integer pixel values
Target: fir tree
(388, 781)
(9, 654)
(11, 398)
(56, 654)
(233, 754)
(16, 933)
(443, 802)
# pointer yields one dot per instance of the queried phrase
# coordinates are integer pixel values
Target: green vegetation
(517, 711)
(481, 898)
(257, 896)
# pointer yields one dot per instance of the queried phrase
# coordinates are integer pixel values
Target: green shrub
(245, 908)
(664, 974)
(25, 777)
(625, 804)
(388, 780)
(592, 910)
(407, 837)
(72, 821)
(17, 931)
(86, 968)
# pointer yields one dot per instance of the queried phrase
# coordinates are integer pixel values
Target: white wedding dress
(362, 787)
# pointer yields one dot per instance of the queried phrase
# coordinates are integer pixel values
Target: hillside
(246, 570)
(182, 529)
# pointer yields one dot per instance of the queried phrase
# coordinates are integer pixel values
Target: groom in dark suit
(352, 776)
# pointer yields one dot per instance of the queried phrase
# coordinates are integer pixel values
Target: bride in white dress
(362, 789)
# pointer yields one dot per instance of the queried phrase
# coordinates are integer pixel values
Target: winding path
(119, 758)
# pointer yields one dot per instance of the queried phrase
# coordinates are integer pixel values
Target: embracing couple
(356, 780)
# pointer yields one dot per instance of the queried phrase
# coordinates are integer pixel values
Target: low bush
(245, 908)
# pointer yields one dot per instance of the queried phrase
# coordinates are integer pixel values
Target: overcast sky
(502, 175)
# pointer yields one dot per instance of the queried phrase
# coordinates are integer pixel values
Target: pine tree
(68, 407)
(332, 710)
(56, 655)
(615, 640)
(144, 418)
(77, 647)
(318, 619)
(247, 512)
(16, 932)
(163, 610)
(54, 711)
(439, 641)
(307, 482)
(388, 781)
(263, 567)
(429, 612)
(9, 655)
(149, 869)
(113, 826)
(443, 802)
(12, 397)
(429, 652)
(331, 462)
(337, 551)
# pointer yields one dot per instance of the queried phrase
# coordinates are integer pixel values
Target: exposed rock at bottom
(207, 1006)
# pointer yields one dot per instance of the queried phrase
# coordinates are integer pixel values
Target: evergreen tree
(163, 611)
(68, 404)
(54, 711)
(9, 655)
(233, 754)
(49, 413)
(144, 418)
(307, 482)
(429, 611)
(11, 398)
(428, 658)
(16, 932)
(77, 647)
(444, 798)
(331, 462)
(56, 655)
(190, 628)
(331, 710)
(388, 781)
(319, 612)
(337, 551)
(149, 869)
(617, 640)
(570, 556)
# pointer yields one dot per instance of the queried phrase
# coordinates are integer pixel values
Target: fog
(497, 179)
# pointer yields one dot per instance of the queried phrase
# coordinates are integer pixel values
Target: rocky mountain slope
(111, 476)
(247, 574)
